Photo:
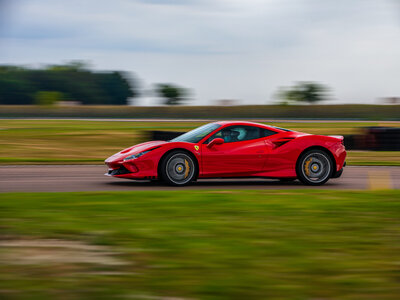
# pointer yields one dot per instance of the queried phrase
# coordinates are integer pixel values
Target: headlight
(133, 156)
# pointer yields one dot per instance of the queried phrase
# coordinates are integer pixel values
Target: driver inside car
(230, 135)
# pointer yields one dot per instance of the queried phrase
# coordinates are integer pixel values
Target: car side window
(266, 132)
(238, 133)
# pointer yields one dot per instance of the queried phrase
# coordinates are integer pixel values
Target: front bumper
(131, 169)
(120, 171)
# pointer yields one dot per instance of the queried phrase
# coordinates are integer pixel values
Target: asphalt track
(73, 178)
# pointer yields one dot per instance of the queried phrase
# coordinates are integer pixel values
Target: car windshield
(195, 135)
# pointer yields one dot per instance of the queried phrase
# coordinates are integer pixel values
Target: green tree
(48, 98)
(19, 85)
(172, 94)
(309, 92)
(15, 92)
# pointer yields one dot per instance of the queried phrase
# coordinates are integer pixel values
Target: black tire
(314, 167)
(178, 168)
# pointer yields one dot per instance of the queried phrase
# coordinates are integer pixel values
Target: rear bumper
(339, 173)
(339, 152)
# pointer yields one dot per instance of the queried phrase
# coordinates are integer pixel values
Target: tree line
(76, 82)
(69, 82)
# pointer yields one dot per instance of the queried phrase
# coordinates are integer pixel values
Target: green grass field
(85, 142)
(200, 245)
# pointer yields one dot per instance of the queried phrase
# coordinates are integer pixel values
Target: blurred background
(81, 80)
(213, 52)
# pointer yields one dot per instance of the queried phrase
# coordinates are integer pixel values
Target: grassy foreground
(200, 245)
(68, 141)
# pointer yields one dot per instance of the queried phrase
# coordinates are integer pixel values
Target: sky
(241, 50)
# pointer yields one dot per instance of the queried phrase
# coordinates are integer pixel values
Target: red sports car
(233, 149)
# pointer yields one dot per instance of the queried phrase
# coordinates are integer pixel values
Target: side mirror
(217, 141)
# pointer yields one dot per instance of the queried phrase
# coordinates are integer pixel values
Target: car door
(242, 153)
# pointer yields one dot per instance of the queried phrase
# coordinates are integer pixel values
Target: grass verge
(200, 244)
(89, 142)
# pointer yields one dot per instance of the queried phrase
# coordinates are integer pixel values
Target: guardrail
(163, 135)
(374, 138)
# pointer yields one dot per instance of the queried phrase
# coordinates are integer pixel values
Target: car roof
(250, 124)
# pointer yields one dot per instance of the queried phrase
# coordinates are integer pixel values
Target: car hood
(142, 147)
(135, 149)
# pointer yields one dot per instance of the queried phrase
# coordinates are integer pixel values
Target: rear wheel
(314, 167)
(178, 168)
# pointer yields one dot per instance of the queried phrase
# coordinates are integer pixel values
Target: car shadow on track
(218, 183)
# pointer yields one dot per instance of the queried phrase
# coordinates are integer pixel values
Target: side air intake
(282, 141)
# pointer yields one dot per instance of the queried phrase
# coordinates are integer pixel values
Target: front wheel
(178, 168)
(314, 167)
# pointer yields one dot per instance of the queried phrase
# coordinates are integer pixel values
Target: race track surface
(73, 178)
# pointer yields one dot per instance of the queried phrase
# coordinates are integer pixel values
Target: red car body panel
(274, 156)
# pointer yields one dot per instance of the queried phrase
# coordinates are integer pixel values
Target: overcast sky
(221, 49)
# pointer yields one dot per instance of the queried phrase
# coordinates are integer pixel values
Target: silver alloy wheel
(316, 167)
(180, 168)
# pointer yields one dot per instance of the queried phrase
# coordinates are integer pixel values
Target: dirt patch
(53, 251)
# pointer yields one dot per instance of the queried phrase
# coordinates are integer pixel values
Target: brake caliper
(187, 168)
(306, 166)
